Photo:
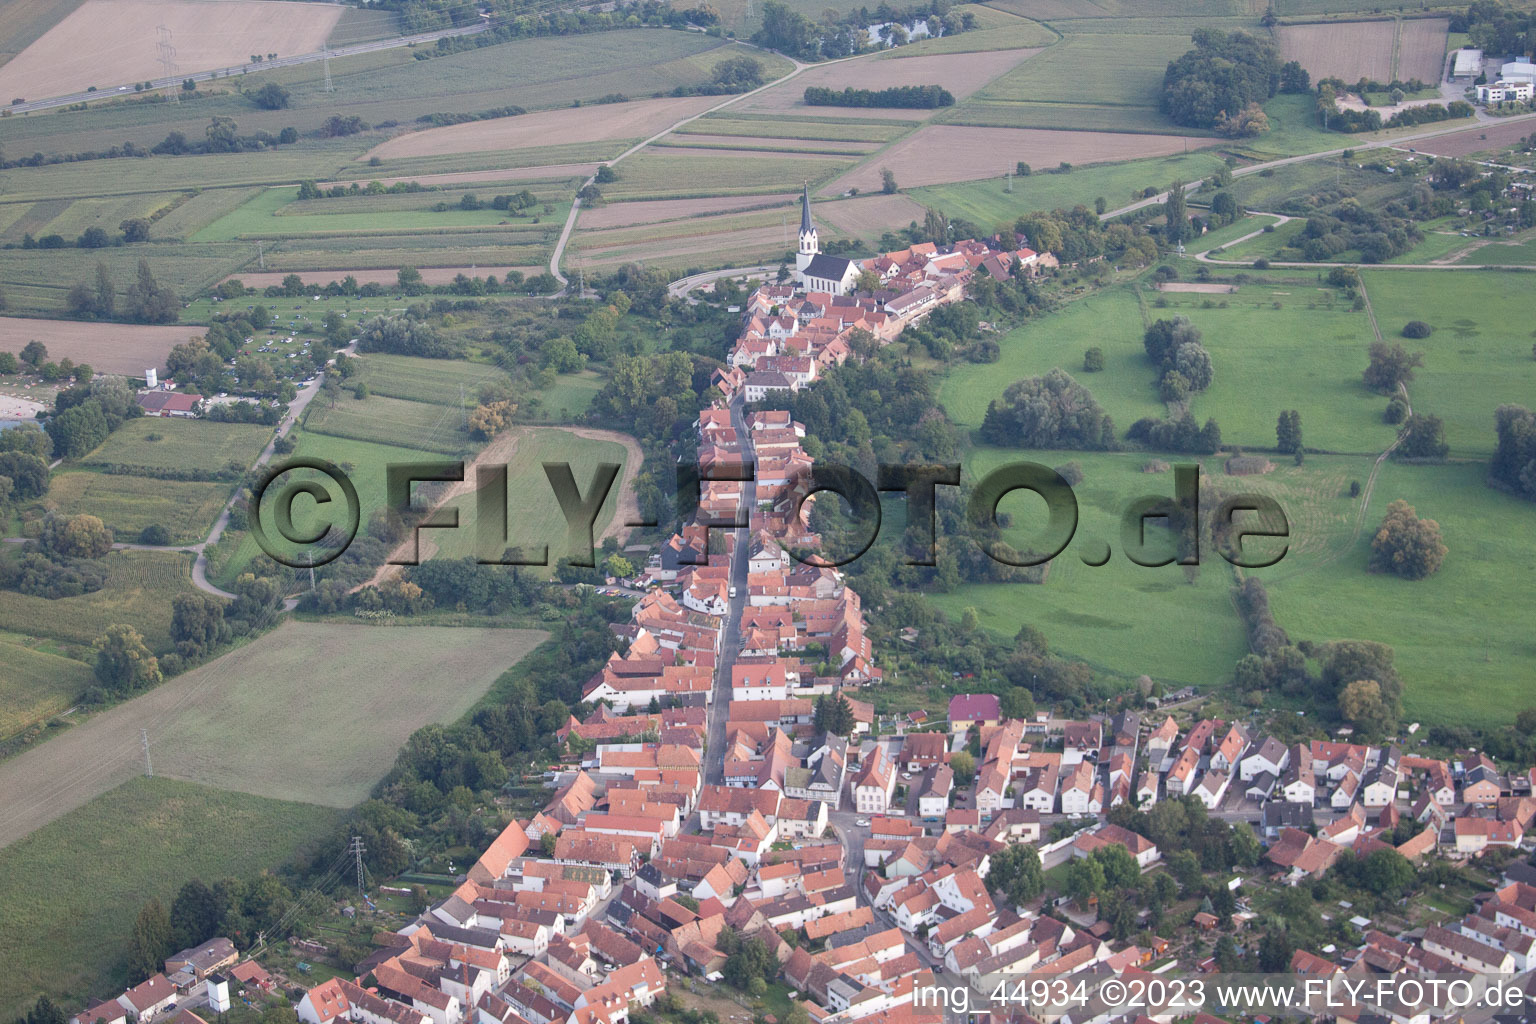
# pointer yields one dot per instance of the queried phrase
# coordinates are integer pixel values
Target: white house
(1270, 756)
(874, 784)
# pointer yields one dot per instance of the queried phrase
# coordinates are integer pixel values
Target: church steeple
(808, 245)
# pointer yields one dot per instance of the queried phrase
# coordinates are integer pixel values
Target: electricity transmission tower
(357, 850)
(149, 770)
(166, 55)
(328, 86)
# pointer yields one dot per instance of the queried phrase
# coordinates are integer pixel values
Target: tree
(78, 430)
(1390, 367)
(1406, 545)
(94, 237)
(44, 1011)
(1423, 437)
(271, 97)
(27, 473)
(751, 961)
(1177, 215)
(1387, 873)
(1222, 75)
(1417, 329)
(867, 282)
(78, 536)
(1093, 360)
(834, 715)
(106, 294)
(408, 278)
(197, 621)
(1085, 879)
(135, 229)
(123, 663)
(1016, 874)
(1053, 411)
(618, 567)
(1294, 78)
(148, 302)
(964, 767)
(150, 941)
(34, 353)
(1288, 432)
(196, 914)
(887, 181)
(1275, 951)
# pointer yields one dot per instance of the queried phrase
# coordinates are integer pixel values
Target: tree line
(918, 97)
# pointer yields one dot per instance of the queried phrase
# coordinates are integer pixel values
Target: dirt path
(500, 452)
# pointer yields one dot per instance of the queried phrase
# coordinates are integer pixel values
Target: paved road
(1162, 197)
(730, 633)
(680, 288)
(174, 82)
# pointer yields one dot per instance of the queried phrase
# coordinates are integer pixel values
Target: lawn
(1462, 637)
(1267, 245)
(567, 398)
(1122, 618)
(139, 588)
(36, 684)
(144, 839)
(437, 381)
(1507, 253)
(393, 421)
(533, 515)
(1480, 354)
(165, 443)
(127, 504)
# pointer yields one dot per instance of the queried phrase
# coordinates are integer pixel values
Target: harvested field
(310, 711)
(622, 215)
(1199, 289)
(109, 348)
(23, 21)
(682, 173)
(1421, 49)
(870, 216)
(580, 124)
(1345, 49)
(960, 73)
(940, 154)
(106, 43)
(1475, 140)
(386, 275)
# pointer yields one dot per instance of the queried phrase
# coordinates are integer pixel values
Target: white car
(862, 822)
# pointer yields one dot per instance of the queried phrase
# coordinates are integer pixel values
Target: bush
(1261, 264)
(155, 534)
(1417, 329)
(1093, 360)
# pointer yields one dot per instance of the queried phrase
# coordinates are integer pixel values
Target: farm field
(109, 348)
(38, 280)
(1464, 625)
(868, 217)
(390, 421)
(128, 504)
(37, 683)
(678, 174)
(989, 152)
(139, 589)
(635, 119)
(277, 212)
(1350, 50)
(767, 126)
(111, 42)
(620, 215)
(1476, 140)
(1480, 354)
(23, 21)
(1507, 253)
(181, 444)
(145, 838)
(384, 275)
(1421, 49)
(350, 694)
(960, 73)
(989, 205)
(425, 380)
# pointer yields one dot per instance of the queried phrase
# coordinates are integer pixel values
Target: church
(815, 272)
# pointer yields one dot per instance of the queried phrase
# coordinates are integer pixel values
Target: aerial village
(736, 787)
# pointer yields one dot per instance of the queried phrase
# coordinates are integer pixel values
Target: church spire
(805, 211)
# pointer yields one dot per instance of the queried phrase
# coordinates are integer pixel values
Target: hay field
(621, 215)
(940, 154)
(109, 348)
(310, 711)
(1421, 49)
(1345, 49)
(107, 43)
(960, 73)
(579, 124)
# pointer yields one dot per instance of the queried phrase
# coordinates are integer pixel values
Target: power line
(149, 771)
(357, 849)
(167, 54)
